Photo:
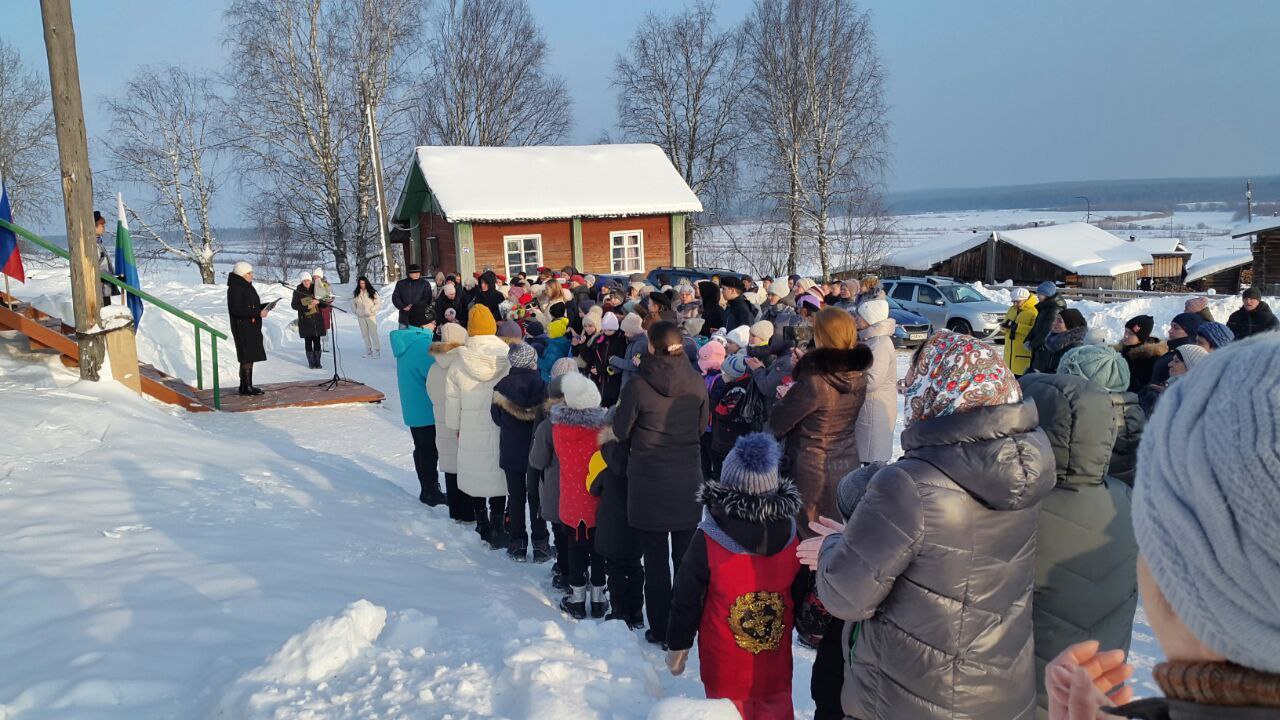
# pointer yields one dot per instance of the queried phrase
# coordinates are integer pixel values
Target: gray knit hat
(751, 467)
(1205, 499)
(522, 355)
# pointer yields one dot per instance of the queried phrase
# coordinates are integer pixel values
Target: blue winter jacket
(413, 360)
(556, 348)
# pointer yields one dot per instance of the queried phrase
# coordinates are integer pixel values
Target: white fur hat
(242, 268)
(874, 311)
(318, 272)
(740, 336)
(579, 392)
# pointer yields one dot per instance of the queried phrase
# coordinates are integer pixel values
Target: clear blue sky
(983, 92)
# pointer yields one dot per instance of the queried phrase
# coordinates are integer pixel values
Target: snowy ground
(159, 564)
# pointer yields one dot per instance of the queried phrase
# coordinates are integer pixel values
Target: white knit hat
(304, 275)
(1019, 294)
(740, 336)
(318, 272)
(874, 311)
(779, 287)
(242, 268)
(610, 322)
(579, 392)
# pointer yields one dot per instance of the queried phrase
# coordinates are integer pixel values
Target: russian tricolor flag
(10, 255)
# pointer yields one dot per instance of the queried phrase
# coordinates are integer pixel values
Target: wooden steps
(46, 333)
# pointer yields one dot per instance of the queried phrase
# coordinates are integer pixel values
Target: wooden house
(1266, 252)
(1168, 258)
(1076, 254)
(604, 209)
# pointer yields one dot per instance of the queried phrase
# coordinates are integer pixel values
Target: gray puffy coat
(1131, 420)
(1086, 559)
(937, 561)
(542, 456)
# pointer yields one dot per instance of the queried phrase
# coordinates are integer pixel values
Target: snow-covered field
(158, 564)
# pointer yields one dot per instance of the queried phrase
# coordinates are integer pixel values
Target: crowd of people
(715, 462)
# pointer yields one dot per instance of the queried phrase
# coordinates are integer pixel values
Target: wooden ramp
(47, 333)
(300, 393)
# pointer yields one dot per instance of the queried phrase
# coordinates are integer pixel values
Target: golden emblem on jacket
(757, 619)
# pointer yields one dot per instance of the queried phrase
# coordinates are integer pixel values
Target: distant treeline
(1151, 194)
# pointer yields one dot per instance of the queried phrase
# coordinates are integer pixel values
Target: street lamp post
(1088, 215)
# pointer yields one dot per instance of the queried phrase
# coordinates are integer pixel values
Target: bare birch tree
(28, 157)
(162, 139)
(678, 87)
(486, 81)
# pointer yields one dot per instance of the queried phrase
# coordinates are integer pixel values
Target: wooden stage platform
(300, 393)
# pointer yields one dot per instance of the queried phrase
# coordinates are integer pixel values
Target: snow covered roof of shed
(1077, 247)
(1257, 226)
(1205, 267)
(1162, 245)
(491, 184)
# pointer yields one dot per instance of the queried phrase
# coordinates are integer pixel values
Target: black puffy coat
(245, 309)
(661, 416)
(415, 295)
(310, 321)
(1047, 311)
(615, 538)
(458, 304)
(1245, 323)
(712, 313)
(937, 562)
(738, 312)
(516, 410)
(1086, 552)
(1141, 359)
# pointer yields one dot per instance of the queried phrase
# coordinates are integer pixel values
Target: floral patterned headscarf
(954, 373)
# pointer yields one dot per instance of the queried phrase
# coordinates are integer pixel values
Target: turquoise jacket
(413, 360)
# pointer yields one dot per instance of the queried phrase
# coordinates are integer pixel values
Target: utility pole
(77, 182)
(1248, 198)
(389, 272)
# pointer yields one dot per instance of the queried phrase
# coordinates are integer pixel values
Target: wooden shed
(1077, 254)
(604, 209)
(1223, 273)
(1168, 258)
(1266, 252)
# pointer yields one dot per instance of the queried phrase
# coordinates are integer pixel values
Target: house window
(524, 254)
(626, 252)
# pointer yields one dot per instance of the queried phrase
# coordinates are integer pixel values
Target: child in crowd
(616, 541)
(544, 463)
(737, 585)
(726, 398)
(710, 359)
(575, 431)
(517, 408)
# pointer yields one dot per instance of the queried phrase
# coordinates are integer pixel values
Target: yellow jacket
(1018, 322)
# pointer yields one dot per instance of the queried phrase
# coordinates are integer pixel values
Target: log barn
(1223, 273)
(1076, 254)
(1265, 233)
(604, 209)
(1168, 258)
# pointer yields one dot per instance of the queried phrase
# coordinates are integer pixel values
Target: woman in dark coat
(451, 297)
(815, 420)
(661, 416)
(1069, 330)
(712, 312)
(246, 311)
(936, 563)
(310, 321)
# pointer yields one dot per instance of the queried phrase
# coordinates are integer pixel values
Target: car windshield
(961, 294)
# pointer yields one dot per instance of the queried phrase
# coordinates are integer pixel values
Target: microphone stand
(337, 378)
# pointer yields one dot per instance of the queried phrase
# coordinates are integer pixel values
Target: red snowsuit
(576, 437)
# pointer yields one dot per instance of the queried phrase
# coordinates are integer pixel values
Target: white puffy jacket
(879, 414)
(446, 438)
(476, 368)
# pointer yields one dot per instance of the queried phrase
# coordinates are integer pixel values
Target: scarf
(954, 373)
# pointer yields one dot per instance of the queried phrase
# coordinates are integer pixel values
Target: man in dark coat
(487, 294)
(1047, 311)
(1253, 317)
(246, 311)
(412, 297)
(661, 415)
(737, 310)
(1182, 331)
(1140, 351)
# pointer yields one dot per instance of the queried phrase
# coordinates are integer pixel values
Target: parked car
(912, 329)
(948, 304)
(668, 275)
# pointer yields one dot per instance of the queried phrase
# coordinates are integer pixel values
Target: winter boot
(636, 621)
(598, 603)
(557, 578)
(244, 383)
(431, 495)
(653, 638)
(482, 527)
(498, 535)
(541, 550)
(248, 382)
(575, 603)
(518, 549)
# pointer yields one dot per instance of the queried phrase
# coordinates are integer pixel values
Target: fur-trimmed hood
(517, 411)
(607, 436)
(1151, 349)
(596, 417)
(833, 362)
(781, 504)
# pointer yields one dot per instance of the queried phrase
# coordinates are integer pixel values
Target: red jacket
(576, 437)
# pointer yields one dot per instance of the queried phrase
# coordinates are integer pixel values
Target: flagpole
(124, 292)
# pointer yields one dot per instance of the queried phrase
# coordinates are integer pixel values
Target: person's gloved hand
(676, 660)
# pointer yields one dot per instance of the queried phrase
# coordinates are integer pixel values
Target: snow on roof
(1217, 263)
(1257, 226)
(553, 182)
(1162, 245)
(1077, 247)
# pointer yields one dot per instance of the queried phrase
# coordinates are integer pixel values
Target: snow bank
(686, 709)
(325, 647)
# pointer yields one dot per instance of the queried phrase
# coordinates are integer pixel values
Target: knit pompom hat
(1217, 334)
(522, 356)
(631, 324)
(751, 467)
(1098, 364)
(1205, 498)
(733, 367)
(579, 392)
(480, 321)
(563, 366)
(763, 329)
(453, 333)
(710, 357)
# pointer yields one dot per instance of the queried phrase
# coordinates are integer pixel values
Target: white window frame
(506, 251)
(620, 235)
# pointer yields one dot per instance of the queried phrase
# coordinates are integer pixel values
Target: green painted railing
(196, 323)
